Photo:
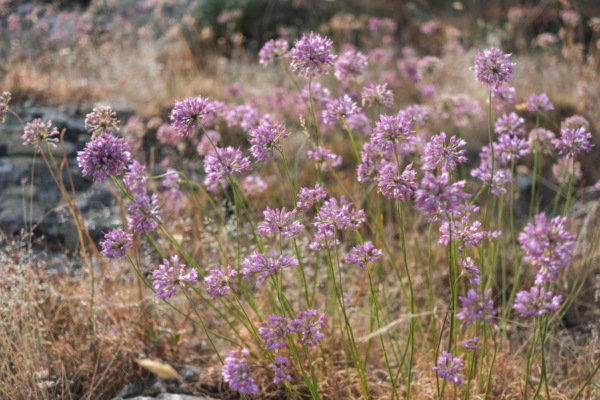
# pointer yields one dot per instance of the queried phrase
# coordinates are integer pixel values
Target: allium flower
(380, 56)
(597, 185)
(265, 139)
(511, 146)
(437, 153)
(476, 307)
(258, 263)
(307, 198)
(341, 108)
(539, 103)
(244, 115)
(492, 68)
(309, 327)
(217, 282)
(448, 367)
(573, 141)
(4, 99)
(272, 51)
(101, 120)
(428, 28)
(188, 114)
(548, 246)
(311, 55)
(503, 97)
(171, 274)
(320, 95)
(253, 184)
(236, 372)
(428, 66)
(472, 344)
(173, 194)
(116, 243)
(575, 122)
(395, 185)
(281, 371)
(136, 179)
(408, 66)
(510, 124)
(350, 65)
(144, 215)
(563, 170)
(219, 168)
(379, 94)
(278, 221)
(205, 145)
(536, 302)
(322, 240)
(461, 231)
(340, 216)
(437, 197)
(104, 156)
(390, 130)
(37, 132)
(458, 109)
(546, 39)
(416, 114)
(167, 135)
(372, 158)
(324, 157)
(541, 140)
(470, 270)
(363, 254)
(275, 332)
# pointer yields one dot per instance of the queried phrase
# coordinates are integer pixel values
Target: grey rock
(169, 396)
(190, 373)
(131, 390)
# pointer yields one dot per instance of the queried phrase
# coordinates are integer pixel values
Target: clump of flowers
(101, 120)
(309, 326)
(188, 114)
(104, 156)
(350, 65)
(116, 243)
(539, 103)
(510, 124)
(476, 307)
(438, 154)
(311, 55)
(4, 99)
(272, 51)
(236, 372)
(503, 97)
(167, 135)
(541, 139)
(575, 122)
(536, 302)
(278, 221)
(207, 141)
(143, 214)
(470, 270)
(472, 344)
(281, 370)
(437, 198)
(253, 184)
(265, 139)
(220, 167)
(324, 157)
(377, 94)
(258, 263)
(307, 198)
(340, 108)
(492, 68)
(448, 367)
(392, 184)
(573, 141)
(136, 178)
(563, 170)
(37, 132)
(173, 194)
(218, 281)
(390, 130)
(170, 275)
(363, 254)
(275, 332)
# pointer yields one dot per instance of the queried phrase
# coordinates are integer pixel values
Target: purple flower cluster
(275, 332)
(188, 114)
(437, 198)
(472, 344)
(272, 51)
(324, 157)
(218, 280)
(470, 270)
(378, 94)
(258, 263)
(278, 221)
(265, 139)
(309, 326)
(510, 124)
(541, 139)
(573, 141)
(372, 159)
(281, 370)
(101, 120)
(416, 114)
(536, 302)
(171, 274)
(539, 103)
(245, 116)
(341, 108)
(37, 132)
(563, 170)
(427, 66)
(548, 246)
(350, 65)
(390, 130)
(207, 141)
(311, 55)
(236, 372)
(167, 135)
(116, 243)
(104, 156)
(504, 97)
(136, 179)
(575, 122)
(339, 216)
(512, 147)
(392, 184)
(173, 195)
(220, 167)
(307, 198)
(363, 254)
(492, 68)
(460, 230)
(438, 154)
(448, 367)
(143, 214)
(476, 307)
(253, 184)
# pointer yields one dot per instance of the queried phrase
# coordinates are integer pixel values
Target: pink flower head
(341, 108)
(278, 221)
(492, 68)
(37, 132)
(281, 370)
(510, 124)
(205, 145)
(272, 51)
(541, 139)
(275, 332)
(220, 167)
(438, 154)
(391, 130)
(392, 184)
(539, 103)
(476, 307)
(575, 122)
(309, 326)
(363, 254)
(448, 367)
(350, 65)
(536, 302)
(324, 157)
(264, 267)
(372, 159)
(311, 55)
(470, 270)
(136, 178)
(104, 156)
(167, 135)
(573, 141)
(236, 372)
(4, 99)
(563, 170)
(503, 97)
(143, 214)
(188, 114)
(307, 198)
(170, 275)
(253, 184)
(338, 215)
(379, 94)
(218, 281)
(437, 197)
(116, 243)
(265, 139)
(101, 120)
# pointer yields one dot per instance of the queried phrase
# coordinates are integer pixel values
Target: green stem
(570, 188)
